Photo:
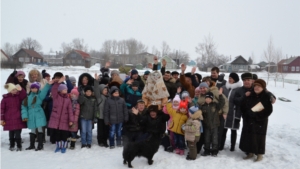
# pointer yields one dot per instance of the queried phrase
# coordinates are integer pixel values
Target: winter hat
(197, 88)
(153, 108)
(135, 84)
(113, 89)
(20, 73)
(235, 77)
(185, 94)
(183, 105)
(58, 75)
(177, 98)
(133, 72)
(209, 95)
(193, 109)
(35, 85)
(203, 84)
(9, 87)
(72, 79)
(75, 91)
(254, 76)
(140, 101)
(198, 76)
(114, 72)
(88, 88)
(261, 83)
(188, 75)
(247, 75)
(147, 72)
(175, 73)
(62, 87)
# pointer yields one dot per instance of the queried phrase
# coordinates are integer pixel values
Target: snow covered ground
(282, 147)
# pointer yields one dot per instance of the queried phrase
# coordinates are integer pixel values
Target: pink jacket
(76, 113)
(62, 112)
(11, 110)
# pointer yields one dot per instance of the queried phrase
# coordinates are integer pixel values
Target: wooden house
(239, 64)
(77, 58)
(4, 56)
(28, 56)
(291, 65)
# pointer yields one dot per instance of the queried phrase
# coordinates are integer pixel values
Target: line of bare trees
(27, 43)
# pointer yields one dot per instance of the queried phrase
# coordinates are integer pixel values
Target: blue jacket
(131, 96)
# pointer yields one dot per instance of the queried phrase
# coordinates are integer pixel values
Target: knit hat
(35, 85)
(188, 75)
(72, 79)
(175, 73)
(62, 87)
(197, 88)
(9, 87)
(20, 73)
(75, 91)
(209, 95)
(135, 84)
(185, 94)
(235, 77)
(140, 101)
(247, 75)
(133, 72)
(153, 108)
(147, 72)
(58, 74)
(183, 105)
(261, 83)
(46, 75)
(113, 89)
(193, 109)
(114, 72)
(88, 88)
(177, 98)
(203, 84)
(254, 76)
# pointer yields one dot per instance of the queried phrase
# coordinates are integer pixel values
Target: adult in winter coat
(17, 77)
(11, 114)
(186, 81)
(85, 79)
(219, 79)
(233, 119)
(35, 76)
(62, 115)
(253, 137)
(33, 113)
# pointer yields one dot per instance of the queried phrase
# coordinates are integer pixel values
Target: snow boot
(177, 150)
(83, 146)
(19, 144)
(259, 157)
(32, 141)
(233, 141)
(249, 156)
(206, 152)
(44, 134)
(12, 144)
(89, 146)
(58, 146)
(181, 152)
(72, 144)
(64, 146)
(214, 153)
(40, 142)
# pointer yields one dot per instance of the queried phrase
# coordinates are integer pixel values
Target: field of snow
(282, 147)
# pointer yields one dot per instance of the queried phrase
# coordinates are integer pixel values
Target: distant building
(291, 65)
(28, 56)
(262, 64)
(4, 56)
(192, 63)
(171, 64)
(271, 67)
(77, 58)
(239, 64)
(135, 59)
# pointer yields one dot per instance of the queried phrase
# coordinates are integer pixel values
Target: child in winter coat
(76, 112)
(132, 94)
(11, 114)
(179, 117)
(101, 93)
(192, 131)
(88, 105)
(62, 115)
(211, 121)
(33, 113)
(115, 114)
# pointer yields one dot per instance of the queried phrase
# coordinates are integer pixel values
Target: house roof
(82, 53)
(4, 54)
(31, 53)
(288, 61)
(232, 61)
(166, 57)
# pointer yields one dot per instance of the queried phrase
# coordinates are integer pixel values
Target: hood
(90, 78)
(213, 88)
(197, 115)
(172, 80)
(117, 79)
(40, 77)
(113, 88)
(102, 87)
(234, 85)
(117, 84)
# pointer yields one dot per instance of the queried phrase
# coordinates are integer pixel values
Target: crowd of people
(180, 110)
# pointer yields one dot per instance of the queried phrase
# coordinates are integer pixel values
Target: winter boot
(177, 150)
(19, 144)
(32, 141)
(58, 146)
(259, 157)
(40, 142)
(249, 156)
(221, 146)
(64, 146)
(214, 153)
(206, 152)
(12, 144)
(181, 152)
(170, 149)
(44, 134)
(73, 141)
(233, 141)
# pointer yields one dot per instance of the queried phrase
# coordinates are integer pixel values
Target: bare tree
(79, 44)
(207, 51)
(107, 46)
(269, 55)
(181, 55)
(114, 47)
(252, 57)
(65, 47)
(122, 48)
(165, 49)
(10, 49)
(156, 52)
(30, 43)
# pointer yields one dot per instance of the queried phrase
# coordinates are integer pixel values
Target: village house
(239, 64)
(27, 56)
(291, 65)
(77, 58)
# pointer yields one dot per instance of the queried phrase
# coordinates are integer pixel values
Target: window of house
(293, 68)
(79, 61)
(297, 68)
(21, 59)
(73, 61)
(285, 68)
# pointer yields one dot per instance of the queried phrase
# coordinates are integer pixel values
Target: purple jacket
(62, 112)
(11, 110)
(76, 112)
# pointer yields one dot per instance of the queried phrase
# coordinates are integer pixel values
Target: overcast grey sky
(239, 27)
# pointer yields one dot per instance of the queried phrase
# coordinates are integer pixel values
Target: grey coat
(115, 109)
(233, 118)
(100, 99)
(87, 107)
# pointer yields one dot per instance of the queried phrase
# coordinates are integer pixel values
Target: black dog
(146, 147)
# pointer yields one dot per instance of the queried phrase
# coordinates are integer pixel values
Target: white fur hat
(9, 87)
